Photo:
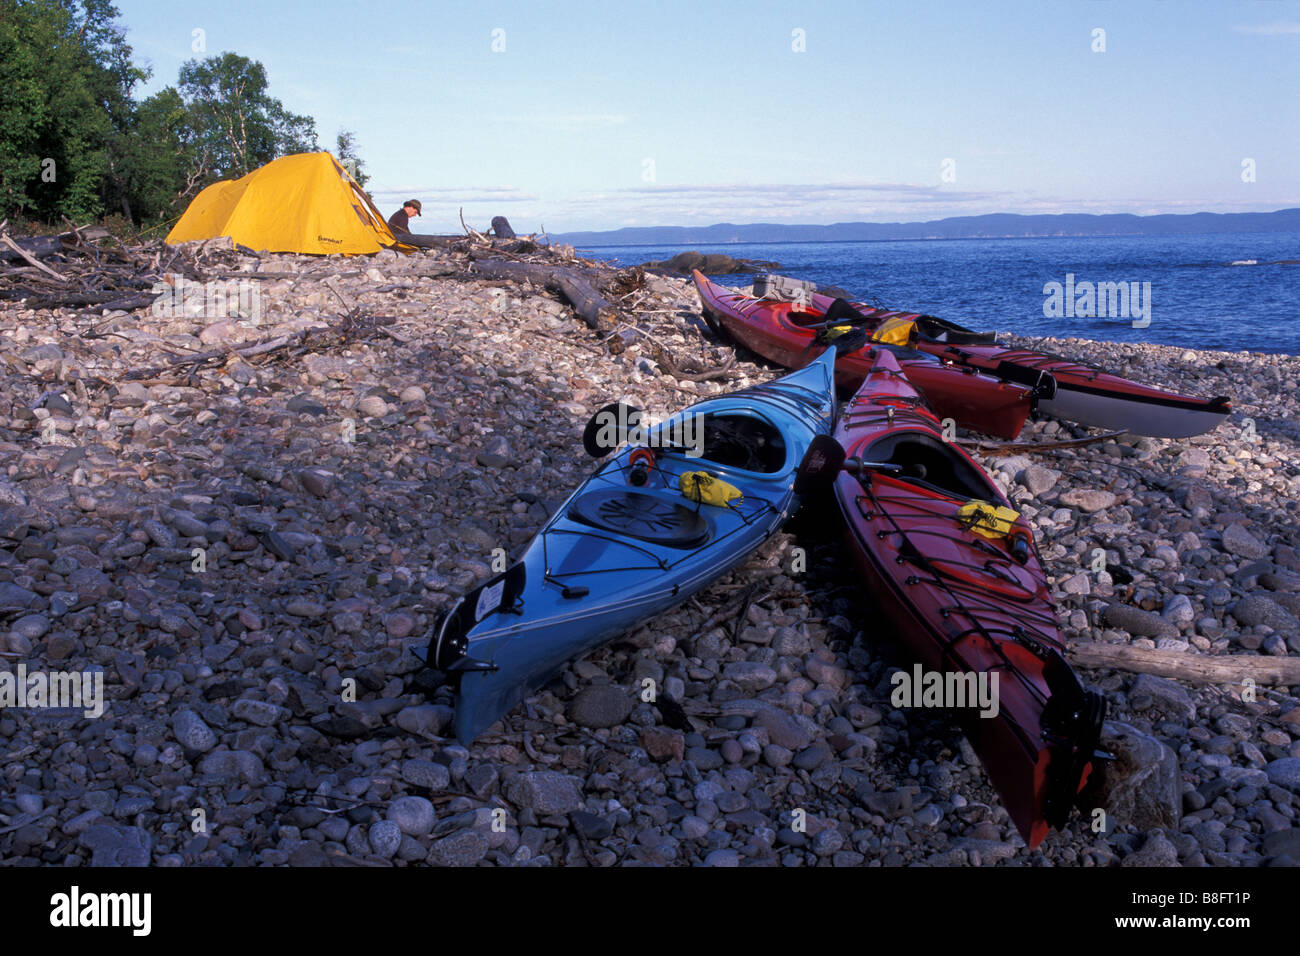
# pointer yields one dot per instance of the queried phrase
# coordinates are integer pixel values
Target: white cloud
(1275, 29)
(454, 195)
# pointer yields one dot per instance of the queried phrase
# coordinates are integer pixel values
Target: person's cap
(415, 203)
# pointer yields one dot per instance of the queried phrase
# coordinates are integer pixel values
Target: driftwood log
(110, 301)
(36, 247)
(998, 449)
(196, 359)
(428, 242)
(590, 305)
(1193, 668)
(40, 246)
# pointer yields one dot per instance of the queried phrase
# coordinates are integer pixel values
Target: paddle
(608, 428)
(611, 426)
(821, 463)
(825, 459)
(840, 312)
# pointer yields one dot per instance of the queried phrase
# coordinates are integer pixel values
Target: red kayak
(1084, 393)
(780, 332)
(964, 585)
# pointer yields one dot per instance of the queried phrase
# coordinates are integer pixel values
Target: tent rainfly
(304, 203)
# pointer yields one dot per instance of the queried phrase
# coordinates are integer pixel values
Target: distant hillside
(995, 226)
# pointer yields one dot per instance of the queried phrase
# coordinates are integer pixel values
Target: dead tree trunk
(1193, 668)
(590, 305)
(37, 247)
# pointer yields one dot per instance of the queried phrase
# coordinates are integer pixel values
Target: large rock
(545, 792)
(1088, 499)
(1285, 772)
(192, 732)
(414, 816)
(1257, 609)
(600, 705)
(495, 453)
(1141, 787)
(426, 774)
(13, 598)
(1137, 622)
(1166, 695)
(1238, 540)
(750, 676)
(460, 849)
(117, 846)
(713, 264)
(385, 837)
(782, 729)
(1156, 851)
(425, 719)
(1178, 610)
(231, 766)
(1039, 480)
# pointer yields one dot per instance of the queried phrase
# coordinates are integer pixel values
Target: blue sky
(596, 115)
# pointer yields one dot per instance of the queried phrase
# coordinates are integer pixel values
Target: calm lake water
(1225, 291)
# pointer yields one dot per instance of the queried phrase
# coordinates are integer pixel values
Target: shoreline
(326, 556)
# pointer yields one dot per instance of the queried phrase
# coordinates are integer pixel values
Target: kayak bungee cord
(949, 585)
(749, 510)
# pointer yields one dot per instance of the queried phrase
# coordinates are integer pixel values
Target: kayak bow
(788, 334)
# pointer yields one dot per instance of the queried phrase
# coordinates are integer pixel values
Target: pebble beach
(343, 491)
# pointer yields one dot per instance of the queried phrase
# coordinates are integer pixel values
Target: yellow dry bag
(703, 487)
(895, 331)
(987, 519)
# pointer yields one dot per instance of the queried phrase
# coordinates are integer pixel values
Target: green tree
(346, 154)
(74, 141)
(236, 125)
(158, 174)
(65, 80)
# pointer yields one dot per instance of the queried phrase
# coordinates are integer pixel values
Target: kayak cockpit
(930, 461)
(950, 333)
(746, 442)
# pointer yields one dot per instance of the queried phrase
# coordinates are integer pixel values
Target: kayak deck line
(949, 649)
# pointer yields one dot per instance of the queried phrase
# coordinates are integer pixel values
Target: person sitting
(399, 221)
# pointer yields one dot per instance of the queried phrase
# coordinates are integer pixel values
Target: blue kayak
(660, 520)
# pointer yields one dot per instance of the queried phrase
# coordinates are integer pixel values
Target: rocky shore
(251, 548)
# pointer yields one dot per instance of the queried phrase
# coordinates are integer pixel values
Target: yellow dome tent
(301, 203)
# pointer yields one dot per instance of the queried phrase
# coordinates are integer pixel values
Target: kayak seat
(928, 460)
(634, 514)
